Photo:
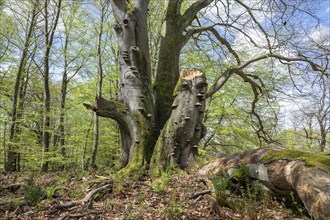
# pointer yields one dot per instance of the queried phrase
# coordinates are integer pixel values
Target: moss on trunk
(182, 131)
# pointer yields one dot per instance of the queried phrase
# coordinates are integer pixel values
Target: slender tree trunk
(49, 36)
(84, 164)
(99, 84)
(4, 145)
(95, 141)
(12, 163)
(323, 138)
(63, 97)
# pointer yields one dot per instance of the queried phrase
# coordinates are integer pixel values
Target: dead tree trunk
(283, 172)
(184, 129)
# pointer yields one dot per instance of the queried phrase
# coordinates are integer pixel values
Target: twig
(88, 197)
(201, 192)
(79, 215)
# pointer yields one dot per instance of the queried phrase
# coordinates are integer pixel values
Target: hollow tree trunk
(184, 128)
(283, 172)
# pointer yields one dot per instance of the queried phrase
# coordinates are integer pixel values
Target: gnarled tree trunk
(133, 107)
(139, 113)
(183, 130)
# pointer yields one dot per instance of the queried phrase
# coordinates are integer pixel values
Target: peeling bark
(311, 184)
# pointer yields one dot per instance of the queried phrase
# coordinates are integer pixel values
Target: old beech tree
(161, 123)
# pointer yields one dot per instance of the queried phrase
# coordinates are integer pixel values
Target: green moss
(177, 87)
(241, 173)
(132, 171)
(318, 160)
(130, 6)
(119, 105)
(161, 184)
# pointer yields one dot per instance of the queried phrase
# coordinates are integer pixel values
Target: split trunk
(152, 132)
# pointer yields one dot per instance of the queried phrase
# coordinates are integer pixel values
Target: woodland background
(295, 115)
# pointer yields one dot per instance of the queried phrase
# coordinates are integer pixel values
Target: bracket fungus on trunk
(182, 132)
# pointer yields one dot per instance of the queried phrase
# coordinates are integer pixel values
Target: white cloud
(319, 35)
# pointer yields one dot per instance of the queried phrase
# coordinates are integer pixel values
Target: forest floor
(169, 197)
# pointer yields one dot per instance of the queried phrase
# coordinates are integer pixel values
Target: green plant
(295, 205)
(15, 201)
(129, 207)
(242, 173)
(139, 198)
(79, 192)
(174, 211)
(160, 185)
(249, 204)
(50, 191)
(221, 189)
(110, 203)
(32, 192)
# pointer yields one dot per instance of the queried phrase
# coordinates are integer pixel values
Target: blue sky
(324, 12)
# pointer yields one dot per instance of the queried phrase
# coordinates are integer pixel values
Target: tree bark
(99, 85)
(323, 133)
(133, 107)
(171, 43)
(49, 36)
(184, 128)
(64, 86)
(283, 172)
(12, 161)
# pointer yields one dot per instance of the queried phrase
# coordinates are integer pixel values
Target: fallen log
(284, 172)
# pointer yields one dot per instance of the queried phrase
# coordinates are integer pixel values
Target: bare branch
(219, 83)
(314, 66)
(192, 11)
